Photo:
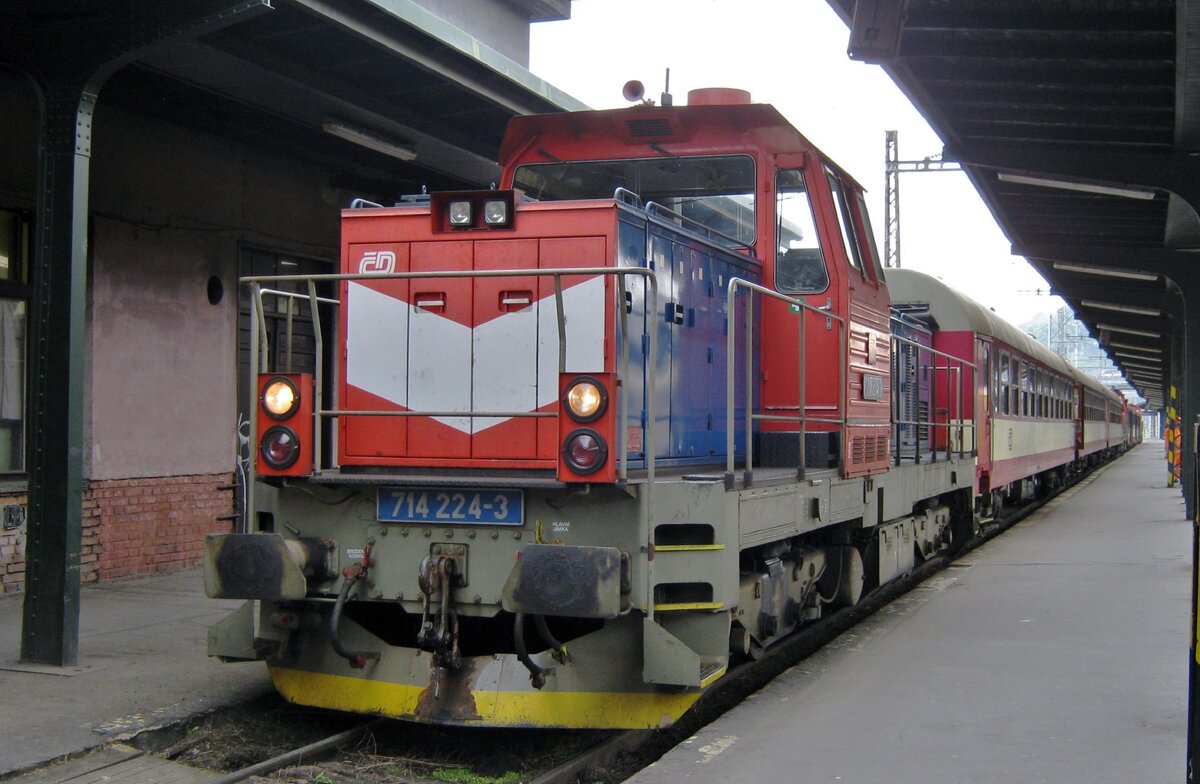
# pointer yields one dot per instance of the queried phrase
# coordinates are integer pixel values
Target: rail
(801, 307)
(260, 349)
(704, 230)
(956, 386)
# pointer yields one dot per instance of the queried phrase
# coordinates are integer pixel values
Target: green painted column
(50, 631)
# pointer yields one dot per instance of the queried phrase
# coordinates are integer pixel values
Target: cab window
(846, 223)
(869, 246)
(799, 263)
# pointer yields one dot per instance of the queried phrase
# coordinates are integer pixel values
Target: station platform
(1057, 652)
(142, 664)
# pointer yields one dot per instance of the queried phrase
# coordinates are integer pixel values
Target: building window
(14, 308)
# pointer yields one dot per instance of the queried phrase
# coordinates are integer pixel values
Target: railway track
(383, 750)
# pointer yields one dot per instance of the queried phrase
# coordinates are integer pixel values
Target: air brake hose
(351, 575)
(559, 651)
(537, 676)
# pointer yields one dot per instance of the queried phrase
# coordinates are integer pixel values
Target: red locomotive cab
(825, 256)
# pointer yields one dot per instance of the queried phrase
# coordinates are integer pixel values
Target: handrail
(731, 291)
(260, 351)
(662, 211)
(954, 413)
(259, 344)
(626, 196)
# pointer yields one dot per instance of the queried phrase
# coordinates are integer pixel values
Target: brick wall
(135, 527)
(12, 550)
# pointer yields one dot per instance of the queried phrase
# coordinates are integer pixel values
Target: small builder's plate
(451, 505)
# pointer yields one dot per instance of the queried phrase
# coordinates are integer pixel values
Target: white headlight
(280, 397)
(585, 400)
(495, 212)
(460, 213)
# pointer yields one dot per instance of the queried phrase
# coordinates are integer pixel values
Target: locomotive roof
(956, 312)
(644, 128)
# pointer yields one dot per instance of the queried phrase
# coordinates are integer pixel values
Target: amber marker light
(585, 399)
(280, 398)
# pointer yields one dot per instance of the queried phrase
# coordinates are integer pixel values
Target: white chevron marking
(421, 361)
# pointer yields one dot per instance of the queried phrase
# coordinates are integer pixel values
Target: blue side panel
(689, 387)
(631, 252)
(662, 260)
(688, 378)
(719, 336)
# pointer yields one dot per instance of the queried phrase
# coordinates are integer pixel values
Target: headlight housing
(585, 451)
(585, 399)
(280, 398)
(284, 424)
(279, 447)
(495, 212)
(459, 212)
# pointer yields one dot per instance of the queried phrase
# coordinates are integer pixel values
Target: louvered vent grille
(868, 449)
(647, 128)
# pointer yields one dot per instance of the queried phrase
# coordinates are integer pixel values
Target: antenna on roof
(667, 100)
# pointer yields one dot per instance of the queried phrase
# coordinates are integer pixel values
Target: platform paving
(1056, 653)
(142, 664)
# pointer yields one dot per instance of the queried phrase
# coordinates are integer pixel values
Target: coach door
(984, 408)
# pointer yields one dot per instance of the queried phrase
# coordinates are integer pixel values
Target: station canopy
(389, 94)
(1079, 124)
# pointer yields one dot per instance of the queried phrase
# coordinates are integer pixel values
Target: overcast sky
(792, 54)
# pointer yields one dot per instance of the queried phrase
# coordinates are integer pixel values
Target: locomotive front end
(442, 522)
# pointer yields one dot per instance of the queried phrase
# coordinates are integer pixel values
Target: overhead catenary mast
(891, 205)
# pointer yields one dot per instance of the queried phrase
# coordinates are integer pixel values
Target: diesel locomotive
(571, 446)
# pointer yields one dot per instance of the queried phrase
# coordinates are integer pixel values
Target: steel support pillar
(70, 62)
(50, 630)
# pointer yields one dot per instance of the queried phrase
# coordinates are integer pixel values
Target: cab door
(868, 351)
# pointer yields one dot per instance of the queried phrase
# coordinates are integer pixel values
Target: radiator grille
(868, 449)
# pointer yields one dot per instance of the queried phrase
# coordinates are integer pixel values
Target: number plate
(451, 506)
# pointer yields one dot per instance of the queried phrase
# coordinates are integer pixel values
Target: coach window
(799, 265)
(1021, 401)
(987, 377)
(1005, 384)
(1016, 385)
(14, 297)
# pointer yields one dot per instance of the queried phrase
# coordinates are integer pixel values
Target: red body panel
(460, 344)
